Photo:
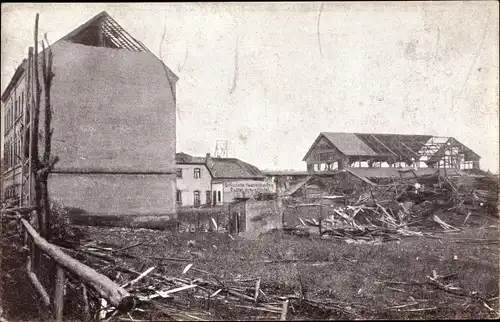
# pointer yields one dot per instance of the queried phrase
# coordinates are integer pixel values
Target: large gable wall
(324, 146)
(113, 113)
(112, 110)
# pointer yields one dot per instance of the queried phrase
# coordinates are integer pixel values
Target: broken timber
(102, 284)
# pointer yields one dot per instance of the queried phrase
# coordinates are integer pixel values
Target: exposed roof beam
(383, 144)
(409, 149)
(116, 37)
(127, 37)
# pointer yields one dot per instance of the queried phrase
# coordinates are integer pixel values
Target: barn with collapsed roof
(332, 151)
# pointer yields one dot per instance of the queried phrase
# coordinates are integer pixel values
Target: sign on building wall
(248, 189)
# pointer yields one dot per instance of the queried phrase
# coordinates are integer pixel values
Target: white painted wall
(188, 184)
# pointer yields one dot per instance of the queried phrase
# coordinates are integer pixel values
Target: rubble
(188, 294)
(405, 207)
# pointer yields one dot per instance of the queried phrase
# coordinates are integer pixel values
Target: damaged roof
(398, 146)
(99, 31)
(222, 168)
(294, 188)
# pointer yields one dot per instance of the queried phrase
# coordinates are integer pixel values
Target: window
(197, 173)
(219, 196)
(19, 154)
(14, 162)
(179, 197)
(196, 198)
(208, 195)
(179, 173)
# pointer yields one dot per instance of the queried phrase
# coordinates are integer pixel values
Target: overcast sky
(396, 67)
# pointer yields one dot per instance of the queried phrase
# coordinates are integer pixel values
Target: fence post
(320, 219)
(59, 293)
(237, 224)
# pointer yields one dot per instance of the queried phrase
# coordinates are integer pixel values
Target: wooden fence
(64, 264)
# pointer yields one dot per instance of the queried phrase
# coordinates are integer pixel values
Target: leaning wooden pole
(102, 284)
(47, 163)
(34, 147)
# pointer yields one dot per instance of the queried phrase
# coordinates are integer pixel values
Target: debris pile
(188, 294)
(403, 208)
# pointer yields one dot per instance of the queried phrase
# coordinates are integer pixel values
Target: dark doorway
(237, 217)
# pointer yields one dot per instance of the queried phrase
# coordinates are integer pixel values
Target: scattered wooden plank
(240, 295)
(422, 309)
(138, 278)
(166, 294)
(257, 288)
(400, 306)
(256, 308)
(186, 269)
(128, 247)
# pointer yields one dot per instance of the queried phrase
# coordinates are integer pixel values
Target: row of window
(13, 111)
(11, 192)
(196, 173)
(217, 197)
(326, 166)
(12, 152)
(325, 156)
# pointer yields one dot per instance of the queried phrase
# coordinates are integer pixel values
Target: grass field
(388, 280)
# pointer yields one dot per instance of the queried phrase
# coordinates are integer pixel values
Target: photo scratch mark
(179, 67)
(235, 78)
(162, 39)
(438, 38)
(160, 53)
(317, 30)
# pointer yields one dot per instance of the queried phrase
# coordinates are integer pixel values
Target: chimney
(207, 158)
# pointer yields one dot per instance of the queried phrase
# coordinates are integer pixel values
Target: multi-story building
(194, 182)
(113, 105)
(210, 181)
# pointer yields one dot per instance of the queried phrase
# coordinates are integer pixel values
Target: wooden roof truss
(410, 148)
(104, 31)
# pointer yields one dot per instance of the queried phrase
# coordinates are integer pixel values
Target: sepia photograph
(249, 161)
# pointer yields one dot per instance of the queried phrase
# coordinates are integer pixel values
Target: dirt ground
(369, 281)
(379, 281)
